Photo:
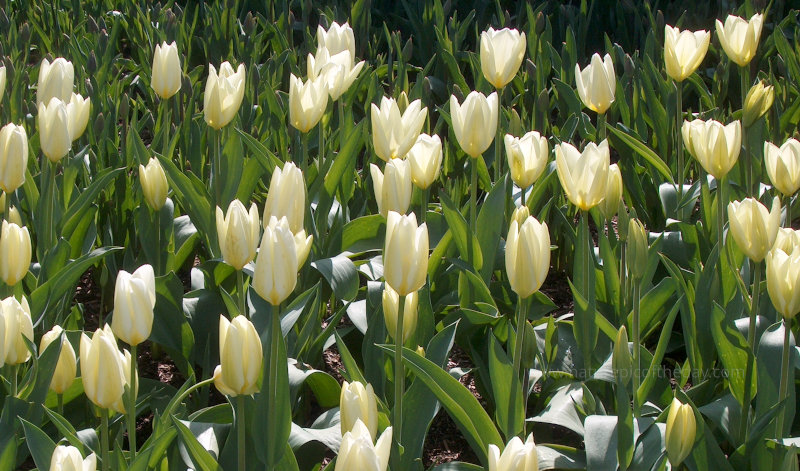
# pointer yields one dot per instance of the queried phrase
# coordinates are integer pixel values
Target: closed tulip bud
(275, 274)
(527, 157)
(103, 369)
(238, 232)
(783, 280)
(714, 145)
(166, 77)
(739, 37)
(638, 247)
(338, 38)
(338, 71)
(13, 213)
(753, 227)
(517, 456)
(758, 101)
(154, 184)
(54, 129)
(223, 94)
(13, 157)
(405, 255)
(611, 200)
(527, 255)
(358, 403)
(502, 52)
(783, 166)
(67, 366)
(597, 83)
(621, 360)
(2, 82)
(583, 175)
(475, 122)
(391, 304)
(393, 133)
(240, 357)
(684, 51)
(358, 452)
(15, 253)
(78, 113)
(392, 188)
(15, 323)
(681, 430)
(307, 102)
(286, 197)
(68, 458)
(55, 81)
(425, 159)
(134, 300)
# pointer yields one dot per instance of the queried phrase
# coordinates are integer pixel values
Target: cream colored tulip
(783, 165)
(517, 456)
(223, 94)
(783, 281)
(425, 159)
(787, 240)
(358, 453)
(240, 357)
(358, 403)
(527, 253)
(739, 37)
(15, 323)
(502, 52)
(238, 232)
(405, 255)
(392, 188)
(154, 184)
(78, 112)
(753, 227)
(681, 430)
(55, 136)
(611, 200)
(68, 458)
(527, 157)
(475, 122)
(275, 274)
(714, 145)
(684, 51)
(287, 197)
(391, 304)
(583, 175)
(134, 300)
(55, 81)
(758, 101)
(597, 83)
(104, 370)
(338, 38)
(67, 366)
(13, 157)
(15, 253)
(638, 248)
(166, 77)
(393, 133)
(307, 102)
(337, 71)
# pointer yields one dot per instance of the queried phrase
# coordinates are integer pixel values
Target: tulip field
(399, 235)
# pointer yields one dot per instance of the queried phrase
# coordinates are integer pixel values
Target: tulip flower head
(338, 38)
(405, 255)
(393, 133)
(597, 83)
(134, 300)
(15, 253)
(67, 366)
(240, 357)
(787, 240)
(78, 113)
(714, 145)
(783, 166)
(358, 403)
(753, 227)
(223, 94)
(391, 305)
(13, 213)
(286, 197)
(527, 157)
(13, 157)
(613, 197)
(502, 52)
(425, 159)
(681, 430)
(238, 232)
(166, 77)
(337, 71)
(475, 121)
(105, 370)
(638, 248)
(55, 136)
(392, 188)
(758, 101)
(357, 451)
(527, 253)
(154, 184)
(583, 175)
(307, 102)
(68, 458)
(278, 260)
(684, 51)
(739, 37)
(15, 323)
(783, 274)
(55, 81)
(517, 456)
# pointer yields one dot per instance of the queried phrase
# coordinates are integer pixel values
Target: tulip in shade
(105, 370)
(223, 94)
(166, 76)
(517, 456)
(502, 52)
(67, 366)
(279, 257)
(787, 240)
(714, 145)
(13, 213)
(393, 133)
(405, 255)
(783, 165)
(638, 247)
(154, 184)
(392, 188)
(583, 175)
(475, 121)
(739, 37)
(527, 253)
(358, 453)
(338, 38)
(240, 357)
(613, 197)
(783, 276)
(425, 159)
(78, 113)
(681, 430)
(15, 253)
(684, 51)
(286, 197)
(15, 323)
(527, 157)
(13, 157)
(307, 102)
(55, 136)
(134, 300)
(68, 458)
(358, 403)
(597, 83)
(55, 81)
(391, 302)
(753, 227)
(758, 101)
(238, 232)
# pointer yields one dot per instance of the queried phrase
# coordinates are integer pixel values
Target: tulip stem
(216, 167)
(14, 371)
(321, 149)
(601, 126)
(158, 247)
(623, 279)
(473, 212)
(242, 294)
(132, 406)
(784, 386)
(424, 208)
(787, 223)
(679, 141)
(399, 375)
(60, 398)
(522, 197)
(636, 356)
(748, 165)
(104, 459)
(166, 125)
(304, 152)
(751, 341)
(7, 207)
(49, 232)
(240, 431)
(720, 218)
(522, 317)
(498, 160)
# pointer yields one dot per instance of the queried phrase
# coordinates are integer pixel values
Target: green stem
(522, 197)
(623, 279)
(321, 150)
(784, 387)
(240, 431)
(748, 165)
(51, 198)
(187, 393)
(60, 398)
(679, 138)
(751, 341)
(242, 294)
(423, 210)
(14, 373)
(7, 208)
(601, 126)
(303, 153)
(158, 247)
(131, 406)
(587, 359)
(273, 361)
(636, 357)
(399, 375)
(216, 168)
(105, 461)
(720, 216)
(520, 338)
(473, 217)
(166, 125)
(787, 223)
(342, 128)
(498, 140)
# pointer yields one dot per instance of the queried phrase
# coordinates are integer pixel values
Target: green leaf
(364, 234)
(273, 400)
(199, 455)
(344, 159)
(733, 352)
(490, 224)
(39, 444)
(170, 326)
(509, 412)
(77, 210)
(622, 140)
(341, 275)
(460, 231)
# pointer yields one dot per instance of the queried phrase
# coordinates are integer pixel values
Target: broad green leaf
(39, 444)
(460, 231)
(622, 140)
(341, 275)
(199, 455)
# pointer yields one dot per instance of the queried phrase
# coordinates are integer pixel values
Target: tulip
(223, 94)
(15, 323)
(638, 247)
(393, 133)
(714, 145)
(166, 77)
(286, 197)
(55, 136)
(684, 51)
(502, 52)
(13, 157)
(2, 82)
(154, 184)
(358, 452)
(753, 227)
(597, 83)
(405, 255)
(621, 360)
(787, 240)
(425, 159)
(739, 37)
(307, 102)
(68, 458)
(15, 253)
(527, 253)
(475, 122)
(238, 232)
(681, 429)
(584, 176)
(613, 197)
(527, 157)
(337, 71)
(275, 274)
(240, 357)
(392, 188)
(783, 165)
(105, 370)
(134, 300)
(757, 102)
(67, 365)
(13, 214)
(337, 39)
(517, 456)
(78, 114)
(55, 81)
(391, 301)
(358, 403)
(783, 281)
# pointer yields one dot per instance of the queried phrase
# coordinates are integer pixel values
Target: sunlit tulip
(55, 138)
(78, 112)
(425, 159)
(597, 83)
(753, 227)
(527, 157)
(337, 71)
(67, 366)
(134, 300)
(2, 82)
(405, 255)
(758, 101)
(223, 94)
(714, 145)
(393, 133)
(502, 52)
(68, 458)
(358, 403)
(275, 274)
(15, 323)
(103, 369)
(517, 456)
(681, 430)
(787, 240)
(358, 453)
(783, 280)
(286, 197)
(13, 157)
(393, 187)
(638, 247)
(783, 165)
(55, 81)
(238, 232)
(15, 253)
(611, 200)
(684, 51)
(475, 121)
(154, 184)
(240, 357)
(13, 213)
(307, 102)
(583, 175)
(166, 77)
(338, 38)
(527, 253)
(739, 37)
(391, 304)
